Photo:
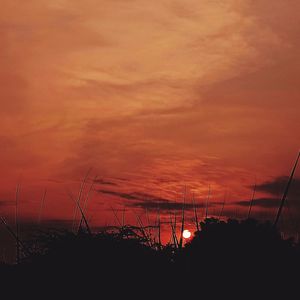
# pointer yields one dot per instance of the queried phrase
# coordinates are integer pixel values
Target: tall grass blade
(86, 201)
(17, 223)
(223, 206)
(159, 229)
(174, 236)
(283, 199)
(14, 235)
(116, 217)
(83, 182)
(207, 202)
(123, 217)
(82, 213)
(182, 220)
(252, 201)
(143, 231)
(195, 213)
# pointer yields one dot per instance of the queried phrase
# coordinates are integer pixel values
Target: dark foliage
(240, 259)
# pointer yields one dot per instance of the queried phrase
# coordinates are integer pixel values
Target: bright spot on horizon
(186, 234)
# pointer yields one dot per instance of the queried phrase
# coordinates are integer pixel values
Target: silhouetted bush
(233, 258)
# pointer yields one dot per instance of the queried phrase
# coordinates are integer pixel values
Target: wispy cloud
(165, 206)
(153, 203)
(133, 195)
(261, 202)
(105, 182)
(6, 203)
(275, 189)
(163, 94)
(277, 186)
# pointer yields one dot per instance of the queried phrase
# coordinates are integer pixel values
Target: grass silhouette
(224, 258)
(231, 258)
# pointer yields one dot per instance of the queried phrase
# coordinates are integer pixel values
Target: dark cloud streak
(260, 202)
(165, 206)
(276, 187)
(152, 203)
(104, 182)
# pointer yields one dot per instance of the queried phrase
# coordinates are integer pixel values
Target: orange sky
(153, 95)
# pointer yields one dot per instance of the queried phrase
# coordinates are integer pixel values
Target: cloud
(260, 202)
(6, 203)
(192, 93)
(165, 206)
(133, 196)
(105, 182)
(120, 195)
(153, 203)
(277, 186)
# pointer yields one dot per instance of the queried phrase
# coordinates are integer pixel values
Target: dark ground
(233, 259)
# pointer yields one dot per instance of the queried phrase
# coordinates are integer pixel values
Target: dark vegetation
(232, 258)
(243, 259)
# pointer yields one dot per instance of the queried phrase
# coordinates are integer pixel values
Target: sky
(155, 97)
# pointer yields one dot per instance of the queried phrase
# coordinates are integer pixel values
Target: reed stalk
(284, 196)
(252, 201)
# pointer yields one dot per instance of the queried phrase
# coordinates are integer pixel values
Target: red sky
(154, 96)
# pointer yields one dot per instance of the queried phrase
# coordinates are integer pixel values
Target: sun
(186, 234)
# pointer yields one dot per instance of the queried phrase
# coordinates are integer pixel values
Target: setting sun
(186, 234)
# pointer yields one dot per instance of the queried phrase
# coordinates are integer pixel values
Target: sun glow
(186, 234)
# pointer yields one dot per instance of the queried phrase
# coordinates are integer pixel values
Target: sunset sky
(153, 96)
